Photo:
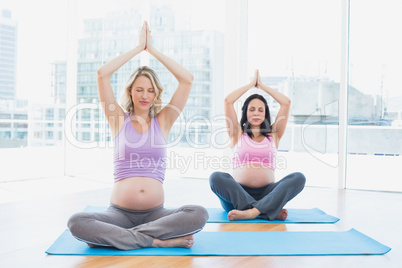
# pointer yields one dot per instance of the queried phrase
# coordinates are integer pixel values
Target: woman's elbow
(187, 81)
(101, 73)
(190, 79)
(228, 101)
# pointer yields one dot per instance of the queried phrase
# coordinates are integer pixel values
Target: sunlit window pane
(296, 47)
(375, 98)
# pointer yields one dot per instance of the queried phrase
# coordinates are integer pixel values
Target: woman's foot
(248, 214)
(282, 215)
(92, 245)
(178, 242)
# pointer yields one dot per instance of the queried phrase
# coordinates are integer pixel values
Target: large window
(51, 119)
(375, 98)
(296, 47)
(32, 37)
(180, 31)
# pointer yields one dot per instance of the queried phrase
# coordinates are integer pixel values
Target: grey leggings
(269, 200)
(131, 229)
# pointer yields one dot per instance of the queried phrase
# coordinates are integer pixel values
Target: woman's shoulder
(127, 117)
(272, 137)
(155, 121)
(235, 141)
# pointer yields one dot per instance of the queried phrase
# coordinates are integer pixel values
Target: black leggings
(269, 200)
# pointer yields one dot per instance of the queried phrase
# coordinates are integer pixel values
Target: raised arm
(168, 115)
(111, 108)
(232, 124)
(279, 126)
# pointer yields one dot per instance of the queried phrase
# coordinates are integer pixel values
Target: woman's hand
(259, 83)
(142, 40)
(254, 81)
(148, 46)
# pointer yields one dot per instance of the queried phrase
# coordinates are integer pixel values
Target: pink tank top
(249, 152)
(140, 155)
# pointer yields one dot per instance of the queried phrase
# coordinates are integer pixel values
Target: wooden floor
(29, 227)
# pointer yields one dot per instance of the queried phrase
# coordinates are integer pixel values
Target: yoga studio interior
(339, 62)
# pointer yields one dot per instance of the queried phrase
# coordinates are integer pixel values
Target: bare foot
(282, 215)
(248, 214)
(92, 245)
(178, 242)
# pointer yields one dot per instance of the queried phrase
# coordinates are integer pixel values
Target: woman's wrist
(151, 50)
(251, 85)
(139, 48)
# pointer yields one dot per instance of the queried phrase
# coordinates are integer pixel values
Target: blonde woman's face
(142, 93)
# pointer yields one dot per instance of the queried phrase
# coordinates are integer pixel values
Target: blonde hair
(127, 102)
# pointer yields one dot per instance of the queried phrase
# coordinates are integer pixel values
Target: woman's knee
(202, 214)
(76, 221)
(198, 214)
(300, 179)
(217, 178)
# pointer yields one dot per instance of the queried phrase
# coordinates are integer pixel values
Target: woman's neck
(256, 131)
(141, 115)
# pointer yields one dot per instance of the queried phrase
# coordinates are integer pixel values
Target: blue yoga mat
(295, 215)
(218, 215)
(350, 242)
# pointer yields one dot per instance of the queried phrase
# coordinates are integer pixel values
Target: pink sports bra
(249, 152)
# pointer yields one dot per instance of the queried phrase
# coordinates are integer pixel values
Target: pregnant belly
(138, 193)
(254, 175)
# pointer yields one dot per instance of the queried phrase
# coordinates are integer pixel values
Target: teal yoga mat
(218, 215)
(349, 242)
(295, 215)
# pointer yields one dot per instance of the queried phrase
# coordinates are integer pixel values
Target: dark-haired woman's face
(255, 112)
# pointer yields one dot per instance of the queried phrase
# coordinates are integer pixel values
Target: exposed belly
(254, 176)
(138, 193)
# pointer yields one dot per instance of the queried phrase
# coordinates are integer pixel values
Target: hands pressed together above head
(145, 38)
